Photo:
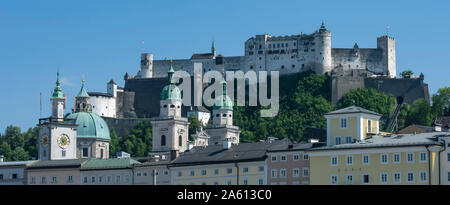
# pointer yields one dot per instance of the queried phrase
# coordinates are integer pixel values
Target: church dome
(90, 125)
(223, 102)
(170, 91)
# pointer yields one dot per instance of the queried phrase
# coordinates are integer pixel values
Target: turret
(146, 66)
(58, 102)
(82, 103)
(111, 87)
(323, 50)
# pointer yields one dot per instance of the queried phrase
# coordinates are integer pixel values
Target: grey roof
(287, 145)
(214, 154)
(99, 94)
(425, 128)
(63, 163)
(200, 109)
(352, 109)
(443, 121)
(202, 56)
(18, 163)
(394, 140)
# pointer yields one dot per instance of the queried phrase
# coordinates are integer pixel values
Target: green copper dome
(223, 102)
(57, 92)
(170, 91)
(90, 125)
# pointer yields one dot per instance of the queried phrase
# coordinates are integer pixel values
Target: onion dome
(170, 91)
(57, 92)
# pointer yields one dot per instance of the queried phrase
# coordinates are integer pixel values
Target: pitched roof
(214, 154)
(415, 128)
(394, 140)
(63, 163)
(352, 109)
(113, 163)
(202, 56)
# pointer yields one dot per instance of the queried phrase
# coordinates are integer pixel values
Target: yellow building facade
(408, 165)
(351, 124)
(356, 153)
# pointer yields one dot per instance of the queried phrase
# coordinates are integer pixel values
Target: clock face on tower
(63, 141)
(44, 140)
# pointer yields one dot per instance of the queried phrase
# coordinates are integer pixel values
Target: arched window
(163, 140)
(180, 141)
(172, 106)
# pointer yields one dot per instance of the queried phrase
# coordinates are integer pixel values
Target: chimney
(226, 144)
(312, 141)
(1, 158)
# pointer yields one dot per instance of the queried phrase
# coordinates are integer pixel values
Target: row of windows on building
(282, 67)
(384, 178)
(229, 182)
(283, 158)
(163, 140)
(204, 172)
(295, 172)
(52, 179)
(144, 173)
(282, 51)
(282, 45)
(109, 179)
(384, 158)
(11, 176)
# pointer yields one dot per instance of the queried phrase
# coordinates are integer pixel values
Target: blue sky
(101, 40)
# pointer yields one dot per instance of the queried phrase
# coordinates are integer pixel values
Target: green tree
(441, 102)
(5, 150)
(407, 73)
(138, 141)
(113, 144)
(19, 154)
(370, 99)
(194, 125)
(420, 113)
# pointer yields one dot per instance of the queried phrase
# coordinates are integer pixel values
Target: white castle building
(287, 54)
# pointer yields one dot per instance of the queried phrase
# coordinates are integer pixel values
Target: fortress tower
(146, 66)
(387, 46)
(322, 41)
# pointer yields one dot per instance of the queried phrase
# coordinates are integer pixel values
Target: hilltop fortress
(286, 54)
(347, 68)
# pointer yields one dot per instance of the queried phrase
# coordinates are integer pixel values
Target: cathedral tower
(57, 137)
(170, 130)
(223, 129)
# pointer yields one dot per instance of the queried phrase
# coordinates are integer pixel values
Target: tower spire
(170, 72)
(213, 48)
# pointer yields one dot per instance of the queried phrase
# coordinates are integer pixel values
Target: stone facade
(286, 54)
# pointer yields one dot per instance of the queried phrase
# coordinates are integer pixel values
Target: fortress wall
(346, 59)
(408, 89)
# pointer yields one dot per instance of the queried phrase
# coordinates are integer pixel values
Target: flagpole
(40, 105)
